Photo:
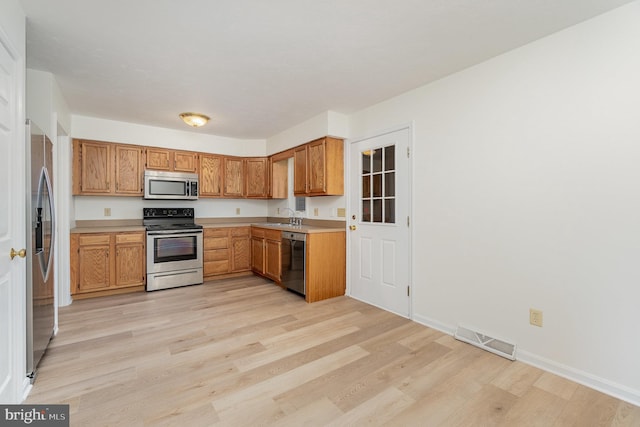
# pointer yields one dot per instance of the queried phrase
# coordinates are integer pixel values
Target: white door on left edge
(378, 225)
(12, 226)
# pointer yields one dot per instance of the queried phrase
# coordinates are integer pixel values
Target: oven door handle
(172, 232)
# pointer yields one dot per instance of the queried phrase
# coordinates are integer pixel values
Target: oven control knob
(185, 212)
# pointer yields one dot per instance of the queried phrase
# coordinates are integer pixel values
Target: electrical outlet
(535, 317)
(278, 212)
(237, 211)
(107, 211)
(341, 212)
(315, 211)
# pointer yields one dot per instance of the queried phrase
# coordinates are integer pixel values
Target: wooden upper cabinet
(300, 170)
(210, 175)
(129, 170)
(104, 168)
(159, 159)
(171, 160)
(320, 166)
(257, 177)
(92, 167)
(233, 177)
(185, 161)
(316, 176)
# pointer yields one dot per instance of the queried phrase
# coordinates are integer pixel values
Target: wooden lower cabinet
(326, 265)
(272, 259)
(325, 261)
(107, 263)
(265, 252)
(226, 250)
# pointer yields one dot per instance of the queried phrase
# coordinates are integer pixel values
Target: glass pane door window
(378, 185)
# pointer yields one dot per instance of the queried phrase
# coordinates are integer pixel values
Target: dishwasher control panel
(299, 237)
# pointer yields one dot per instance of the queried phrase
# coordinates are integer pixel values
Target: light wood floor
(244, 352)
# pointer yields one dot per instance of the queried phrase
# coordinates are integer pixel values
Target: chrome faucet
(293, 219)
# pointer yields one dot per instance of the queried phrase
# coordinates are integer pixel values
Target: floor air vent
(485, 342)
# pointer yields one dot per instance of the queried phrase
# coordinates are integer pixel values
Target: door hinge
(408, 222)
(408, 152)
(408, 292)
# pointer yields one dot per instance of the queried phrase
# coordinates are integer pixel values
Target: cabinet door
(317, 172)
(257, 254)
(300, 170)
(185, 161)
(159, 159)
(210, 175)
(272, 262)
(257, 177)
(130, 265)
(95, 167)
(233, 177)
(94, 268)
(241, 254)
(129, 167)
(130, 262)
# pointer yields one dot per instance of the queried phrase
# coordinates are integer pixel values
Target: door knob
(352, 227)
(21, 253)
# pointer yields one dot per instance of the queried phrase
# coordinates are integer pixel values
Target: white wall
(527, 194)
(131, 133)
(327, 123)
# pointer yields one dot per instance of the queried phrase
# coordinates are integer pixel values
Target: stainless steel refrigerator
(40, 244)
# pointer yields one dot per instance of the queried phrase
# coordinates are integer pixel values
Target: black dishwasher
(292, 261)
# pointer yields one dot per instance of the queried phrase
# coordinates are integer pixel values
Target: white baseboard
(611, 388)
(600, 384)
(26, 388)
(434, 324)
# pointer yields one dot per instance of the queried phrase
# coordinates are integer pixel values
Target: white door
(12, 226)
(378, 223)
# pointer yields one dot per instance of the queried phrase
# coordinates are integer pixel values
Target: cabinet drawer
(240, 231)
(216, 243)
(257, 232)
(94, 239)
(215, 232)
(130, 238)
(215, 267)
(273, 234)
(216, 255)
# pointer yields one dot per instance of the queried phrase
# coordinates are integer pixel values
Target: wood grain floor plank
(244, 352)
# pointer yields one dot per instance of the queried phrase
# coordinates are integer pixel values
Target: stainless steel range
(174, 248)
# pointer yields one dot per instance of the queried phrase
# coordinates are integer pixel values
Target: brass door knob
(352, 227)
(21, 253)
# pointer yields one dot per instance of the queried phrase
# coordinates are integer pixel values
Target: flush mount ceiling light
(194, 119)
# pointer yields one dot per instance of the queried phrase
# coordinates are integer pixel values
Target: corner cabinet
(319, 168)
(107, 263)
(104, 168)
(256, 177)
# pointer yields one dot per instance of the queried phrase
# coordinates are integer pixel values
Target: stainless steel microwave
(170, 185)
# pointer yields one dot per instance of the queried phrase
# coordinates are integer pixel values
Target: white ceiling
(258, 67)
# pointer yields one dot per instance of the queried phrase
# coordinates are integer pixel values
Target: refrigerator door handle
(44, 206)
